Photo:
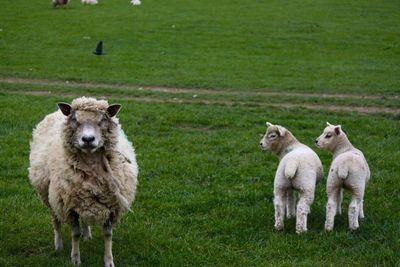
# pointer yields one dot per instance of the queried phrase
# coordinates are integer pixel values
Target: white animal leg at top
(290, 204)
(303, 209)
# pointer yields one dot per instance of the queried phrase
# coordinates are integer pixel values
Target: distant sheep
(349, 169)
(299, 169)
(59, 2)
(83, 168)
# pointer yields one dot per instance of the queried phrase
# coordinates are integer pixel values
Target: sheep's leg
(108, 257)
(331, 207)
(76, 235)
(86, 232)
(361, 215)
(303, 209)
(58, 243)
(354, 210)
(339, 201)
(279, 203)
(290, 204)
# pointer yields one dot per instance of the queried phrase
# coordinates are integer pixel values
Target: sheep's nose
(316, 140)
(88, 139)
(260, 144)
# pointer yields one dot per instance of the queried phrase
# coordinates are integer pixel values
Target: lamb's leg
(303, 209)
(58, 243)
(76, 235)
(361, 215)
(108, 257)
(354, 211)
(86, 232)
(339, 201)
(331, 208)
(279, 203)
(290, 204)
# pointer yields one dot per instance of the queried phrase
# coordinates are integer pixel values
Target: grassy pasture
(313, 45)
(205, 193)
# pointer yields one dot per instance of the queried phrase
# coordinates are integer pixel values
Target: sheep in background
(349, 169)
(60, 3)
(299, 169)
(83, 168)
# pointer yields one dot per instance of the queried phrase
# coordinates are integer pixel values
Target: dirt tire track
(367, 110)
(174, 90)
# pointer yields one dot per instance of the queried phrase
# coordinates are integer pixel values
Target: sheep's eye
(272, 136)
(328, 136)
(102, 122)
(74, 122)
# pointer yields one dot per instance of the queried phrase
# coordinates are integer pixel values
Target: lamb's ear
(328, 124)
(268, 124)
(112, 110)
(338, 129)
(65, 108)
(281, 131)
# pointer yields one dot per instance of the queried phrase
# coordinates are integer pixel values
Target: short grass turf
(312, 45)
(205, 193)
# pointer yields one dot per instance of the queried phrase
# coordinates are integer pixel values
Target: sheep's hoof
(300, 229)
(279, 227)
(328, 227)
(108, 262)
(76, 259)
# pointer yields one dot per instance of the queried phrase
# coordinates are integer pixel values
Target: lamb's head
(276, 138)
(90, 124)
(331, 136)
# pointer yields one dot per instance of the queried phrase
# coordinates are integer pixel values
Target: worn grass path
(331, 102)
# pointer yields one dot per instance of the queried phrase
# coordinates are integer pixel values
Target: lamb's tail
(343, 171)
(290, 168)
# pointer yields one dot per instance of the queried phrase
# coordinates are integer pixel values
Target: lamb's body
(96, 186)
(70, 184)
(349, 170)
(299, 170)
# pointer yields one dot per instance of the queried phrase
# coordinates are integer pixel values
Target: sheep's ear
(112, 110)
(268, 124)
(338, 129)
(328, 124)
(65, 108)
(281, 131)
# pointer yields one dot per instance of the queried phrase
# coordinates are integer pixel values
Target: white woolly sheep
(349, 169)
(299, 169)
(83, 168)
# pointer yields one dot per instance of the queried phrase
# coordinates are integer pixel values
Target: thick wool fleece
(98, 188)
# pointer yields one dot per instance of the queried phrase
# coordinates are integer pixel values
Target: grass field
(190, 76)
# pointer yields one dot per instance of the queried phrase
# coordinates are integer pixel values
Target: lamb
(84, 169)
(299, 169)
(349, 169)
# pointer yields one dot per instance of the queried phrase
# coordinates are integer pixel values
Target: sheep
(349, 169)
(56, 3)
(299, 169)
(84, 169)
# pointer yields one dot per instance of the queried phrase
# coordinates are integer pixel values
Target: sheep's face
(273, 137)
(329, 138)
(88, 128)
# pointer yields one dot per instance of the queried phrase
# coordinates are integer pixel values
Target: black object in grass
(99, 49)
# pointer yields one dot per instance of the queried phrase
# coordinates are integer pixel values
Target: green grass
(313, 45)
(205, 194)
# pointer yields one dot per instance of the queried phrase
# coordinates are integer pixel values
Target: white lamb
(299, 169)
(349, 169)
(83, 168)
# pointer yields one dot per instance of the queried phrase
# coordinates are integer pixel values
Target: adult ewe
(83, 168)
(349, 169)
(299, 169)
